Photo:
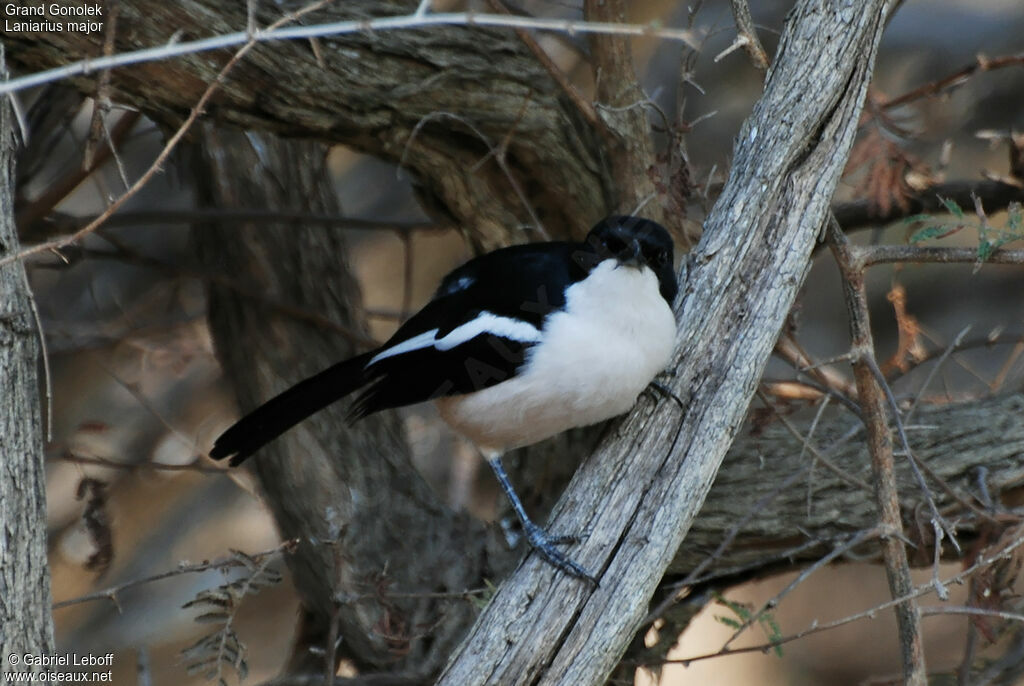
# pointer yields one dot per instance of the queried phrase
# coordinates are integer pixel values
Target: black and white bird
(517, 345)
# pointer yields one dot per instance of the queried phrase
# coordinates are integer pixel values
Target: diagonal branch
(639, 493)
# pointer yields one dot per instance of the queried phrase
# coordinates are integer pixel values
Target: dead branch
(638, 494)
(958, 78)
(914, 594)
(352, 96)
(873, 405)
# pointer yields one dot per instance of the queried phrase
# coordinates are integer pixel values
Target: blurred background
(135, 381)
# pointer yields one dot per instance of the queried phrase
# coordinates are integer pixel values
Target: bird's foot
(545, 544)
(656, 387)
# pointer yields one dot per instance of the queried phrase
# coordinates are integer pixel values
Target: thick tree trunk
(26, 625)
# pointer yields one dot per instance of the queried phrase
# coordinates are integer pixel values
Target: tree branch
(372, 91)
(639, 493)
(995, 195)
(873, 406)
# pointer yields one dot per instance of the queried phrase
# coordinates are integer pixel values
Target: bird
(515, 346)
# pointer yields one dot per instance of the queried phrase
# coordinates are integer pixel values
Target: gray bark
(633, 505)
(26, 625)
(639, 493)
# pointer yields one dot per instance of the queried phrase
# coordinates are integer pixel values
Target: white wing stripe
(485, 322)
(417, 342)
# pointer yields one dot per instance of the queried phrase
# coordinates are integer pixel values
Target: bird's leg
(539, 539)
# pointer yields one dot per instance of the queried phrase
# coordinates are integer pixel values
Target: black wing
(512, 288)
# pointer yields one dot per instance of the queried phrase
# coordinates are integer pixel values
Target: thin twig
(819, 456)
(773, 602)
(816, 627)
(872, 399)
(870, 255)
(956, 79)
(747, 35)
(495, 151)
(585, 107)
(167, 149)
(938, 521)
(338, 28)
(954, 344)
(47, 375)
(723, 546)
(136, 466)
(331, 653)
(62, 187)
(159, 217)
(221, 563)
(124, 253)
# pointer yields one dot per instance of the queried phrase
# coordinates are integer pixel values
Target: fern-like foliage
(215, 653)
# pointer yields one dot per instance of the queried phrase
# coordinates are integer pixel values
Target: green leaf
(952, 207)
(1016, 217)
(729, 622)
(772, 631)
(985, 250)
(934, 231)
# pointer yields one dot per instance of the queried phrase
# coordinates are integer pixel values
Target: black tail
(282, 412)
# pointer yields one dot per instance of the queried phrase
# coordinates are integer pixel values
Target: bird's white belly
(596, 356)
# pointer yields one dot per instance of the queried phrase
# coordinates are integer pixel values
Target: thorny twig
(495, 151)
(946, 83)
(746, 36)
(222, 563)
(231, 561)
(727, 541)
(585, 107)
(773, 602)
(819, 455)
(816, 627)
(873, 402)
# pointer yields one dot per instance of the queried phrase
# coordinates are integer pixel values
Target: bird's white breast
(595, 356)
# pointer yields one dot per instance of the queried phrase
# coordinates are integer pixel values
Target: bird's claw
(545, 544)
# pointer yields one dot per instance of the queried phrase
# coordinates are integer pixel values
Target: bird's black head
(636, 242)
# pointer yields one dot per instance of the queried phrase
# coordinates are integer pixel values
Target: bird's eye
(615, 244)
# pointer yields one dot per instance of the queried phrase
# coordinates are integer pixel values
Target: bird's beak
(633, 259)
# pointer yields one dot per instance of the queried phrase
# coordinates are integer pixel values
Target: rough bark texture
(372, 91)
(638, 494)
(955, 441)
(26, 625)
(365, 519)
